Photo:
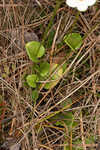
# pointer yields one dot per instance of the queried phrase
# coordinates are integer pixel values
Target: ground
(67, 115)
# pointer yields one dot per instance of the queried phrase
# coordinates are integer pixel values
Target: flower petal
(82, 7)
(90, 2)
(71, 3)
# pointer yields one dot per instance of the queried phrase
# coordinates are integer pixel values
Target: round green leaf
(55, 77)
(73, 40)
(44, 68)
(35, 50)
(31, 80)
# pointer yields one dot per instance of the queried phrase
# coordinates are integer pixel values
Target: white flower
(81, 5)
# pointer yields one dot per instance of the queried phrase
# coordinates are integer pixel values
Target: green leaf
(31, 80)
(67, 102)
(50, 38)
(35, 50)
(35, 95)
(64, 67)
(90, 140)
(55, 77)
(66, 117)
(35, 68)
(44, 68)
(68, 148)
(73, 40)
(77, 142)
